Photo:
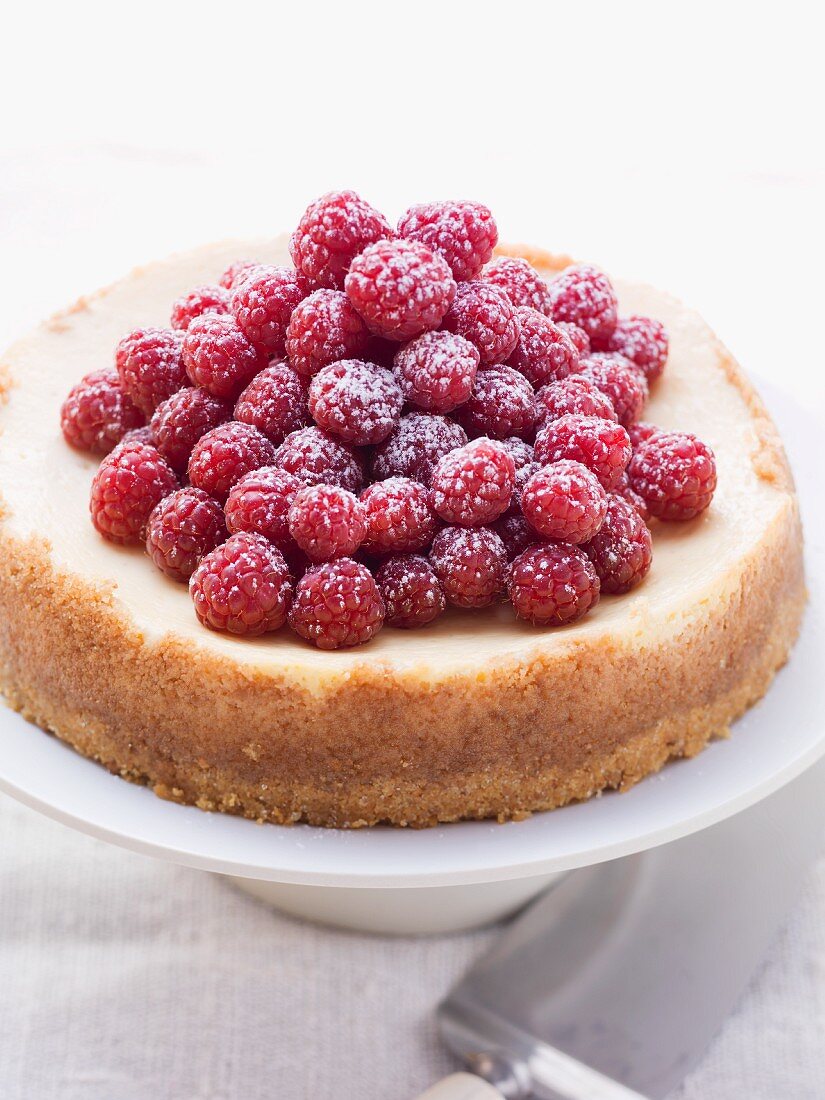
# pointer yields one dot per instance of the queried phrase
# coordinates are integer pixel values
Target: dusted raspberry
(576, 394)
(474, 484)
(203, 299)
(412, 593)
(470, 563)
(464, 233)
(520, 282)
(626, 491)
(143, 434)
(600, 445)
(260, 503)
(623, 383)
(643, 341)
(641, 431)
(337, 604)
(553, 584)
(622, 550)
(416, 445)
(97, 414)
(327, 522)
(324, 328)
(262, 305)
(675, 474)
(523, 475)
(485, 316)
(564, 501)
(520, 452)
(182, 419)
(274, 402)
(237, 272)
(184, 527)
(331, 233)
(399, 517)
(544, 352)
(243, 586)
(315, 457)
(578, 336)
(127, 486)
(436, 371)
(582, 295)
(221, 457)
(502, 404)
(218, 356)
(516, 534)
(356, 401)
(400, 288)
(150, 366)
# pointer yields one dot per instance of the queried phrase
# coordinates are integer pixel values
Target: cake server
(612, 985)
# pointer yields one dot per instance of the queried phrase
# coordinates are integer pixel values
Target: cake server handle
(563, 1078)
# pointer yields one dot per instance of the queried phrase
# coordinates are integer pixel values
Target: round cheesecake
(477, 716)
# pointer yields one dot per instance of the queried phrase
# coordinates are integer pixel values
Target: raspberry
(412, 593)
(623, 383)
(237, 272)
(600, 445)
(97, 414)
(327, 522)
(622, 550)
(259, 502)
(579, 337)
(127, 486)
(470, 563)
(221, 457)
(262, 304)
(243, 586)
(416, 445)
(464, 233)
(520, 282)
(274, 402)
(520, 452)
(522, 455)
(523, 475)
(356, 401)
(203, 299)
(583, 296)
(516, 534)
(553, 584)
(626, 491)
(399, 518)
(337, 604)
(544, 352)
(331, 233)
(473, 485)
(643, 341)
(437, 370)
(184, 527)
(575, 394)
(219, 357)
(564, 501)
(485, 316)
(150, 366)
(641, 431)
(182, 419)
(502, 404)
(675, 474)
(140, 435)
(315, 457)
(324, 328)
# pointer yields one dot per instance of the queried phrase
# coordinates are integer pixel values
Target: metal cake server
(612, 985)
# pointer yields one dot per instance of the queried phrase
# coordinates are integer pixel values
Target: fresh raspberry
(575, 394)
(643, 341)
(259, 502)
(520, 452)
(143, 434)
(331, 233)
(564, 501)
(337, 604)
(237, 272)
(584, 296)
(622, 550)
(520, 282)
(600, 445)
(485, 316)
(553, 584)
(127, 486)
(97, 414)
(516, 534)
(221, 457)
(502, 404)
(416, 445)
(324, 328)
(544, 352)
(523, 475)
(243, 586)
(218, 356)
(184, 527)
(150, 366)
(675, 474)
(641, 431)
(262, 305)
(356, 401)
(399, 518)
(623, 383)
(579, 337)
(626, 491)
(315, 457)
(473, 485)
(327, 522)
(203, 299)
(436, 371)
(274, 402)
(412, 593)
(464, 233)
(470, 563)
(182, 419)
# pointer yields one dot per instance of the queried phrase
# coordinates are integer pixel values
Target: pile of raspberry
(396, 423)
